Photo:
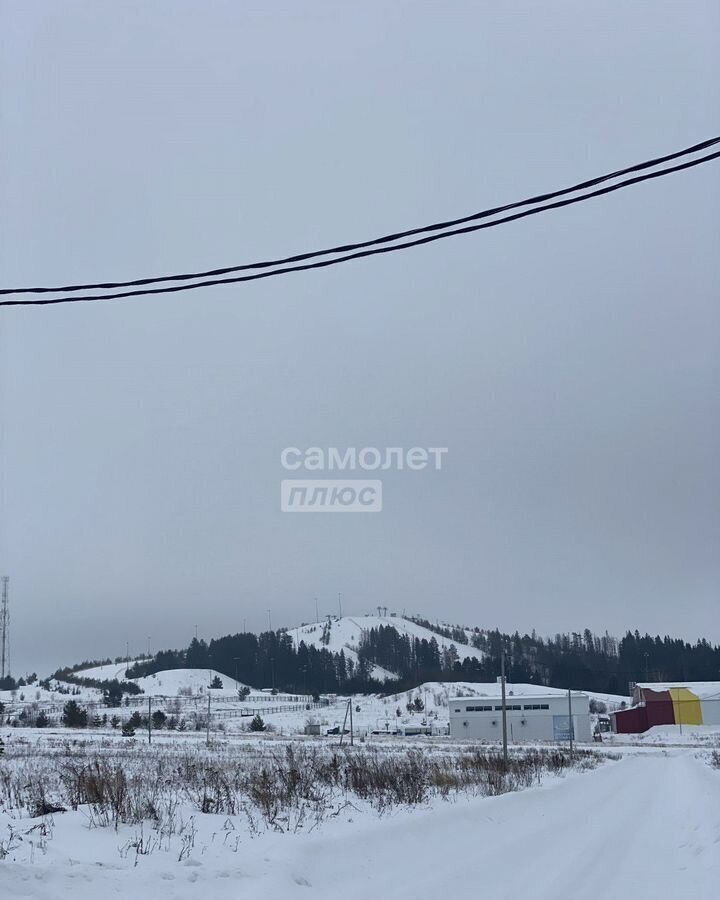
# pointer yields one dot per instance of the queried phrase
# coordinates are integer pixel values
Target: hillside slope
(336, 634)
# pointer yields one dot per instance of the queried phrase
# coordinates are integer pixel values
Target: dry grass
(284, 786)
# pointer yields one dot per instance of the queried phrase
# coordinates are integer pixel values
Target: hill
(390, 653)
(348, 633)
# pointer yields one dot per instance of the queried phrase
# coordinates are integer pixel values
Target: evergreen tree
(74, 716)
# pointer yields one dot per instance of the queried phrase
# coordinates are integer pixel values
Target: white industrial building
(536, 715)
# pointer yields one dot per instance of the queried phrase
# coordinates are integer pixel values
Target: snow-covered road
(644, 828)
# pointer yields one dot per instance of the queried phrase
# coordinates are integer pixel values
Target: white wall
(710, 711)
(523, 725)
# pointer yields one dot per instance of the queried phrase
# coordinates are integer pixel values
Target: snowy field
(221, 812)
(267, 817)
(707, 736)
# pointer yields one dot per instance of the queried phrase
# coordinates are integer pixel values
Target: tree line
(583, 660)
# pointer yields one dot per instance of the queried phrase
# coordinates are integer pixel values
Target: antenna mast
(4, 630)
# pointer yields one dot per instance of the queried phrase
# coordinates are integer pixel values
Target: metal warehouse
(530, 716)
(669, 703)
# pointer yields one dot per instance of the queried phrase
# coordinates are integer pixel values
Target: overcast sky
(570, 362)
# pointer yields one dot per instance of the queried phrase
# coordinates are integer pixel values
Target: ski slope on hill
(345, 633)
(107, 672)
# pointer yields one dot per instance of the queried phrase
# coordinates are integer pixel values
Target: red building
(685, 703)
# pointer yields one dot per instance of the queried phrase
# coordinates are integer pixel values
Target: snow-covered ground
(646, 827)
(424, 707)
(179, 682)
(182, 683)
(670, 735)
(109, 671)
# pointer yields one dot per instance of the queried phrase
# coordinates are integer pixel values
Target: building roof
(492, 691)
(703, 690)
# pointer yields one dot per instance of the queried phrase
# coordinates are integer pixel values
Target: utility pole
(207, 734)
(5, 630)
(570, 719)
(340, 604)
(647, 676)
(348, 709)
(149, 720)
(504, 709)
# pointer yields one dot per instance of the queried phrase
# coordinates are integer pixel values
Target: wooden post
(342, 730)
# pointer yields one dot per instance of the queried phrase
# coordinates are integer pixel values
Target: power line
(368, 252)
(346, 248)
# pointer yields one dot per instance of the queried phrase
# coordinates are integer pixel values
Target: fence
(26, 711)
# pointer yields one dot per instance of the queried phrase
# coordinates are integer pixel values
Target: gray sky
(569, 362)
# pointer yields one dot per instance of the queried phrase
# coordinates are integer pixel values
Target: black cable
(364, 253)
(360, 245)
(344, 248)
